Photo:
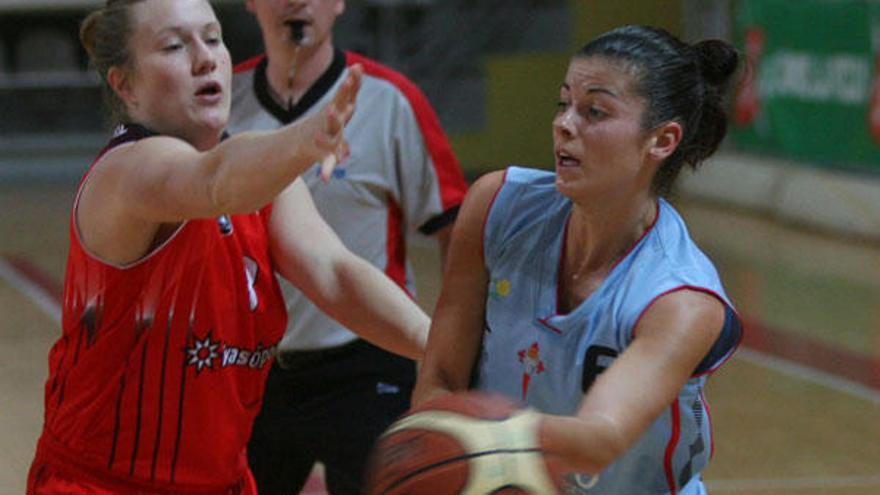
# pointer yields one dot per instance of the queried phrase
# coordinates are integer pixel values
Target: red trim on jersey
(446, 166)
(562, 252)
(670, 447)
(395, 265)
(619, 260)
(709, 420)
(248, 64)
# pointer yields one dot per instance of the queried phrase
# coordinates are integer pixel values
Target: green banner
(811, 91)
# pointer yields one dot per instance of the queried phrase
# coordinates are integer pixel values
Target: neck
(599, 235)
(305, 64)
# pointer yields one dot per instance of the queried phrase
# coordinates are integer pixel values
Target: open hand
(329, 139)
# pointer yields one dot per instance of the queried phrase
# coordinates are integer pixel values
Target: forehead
(151, 17)
(287, 4)
(588, 74)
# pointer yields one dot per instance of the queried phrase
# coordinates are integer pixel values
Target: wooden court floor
(784, 424)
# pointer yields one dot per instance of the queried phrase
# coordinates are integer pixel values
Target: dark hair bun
(717, 60)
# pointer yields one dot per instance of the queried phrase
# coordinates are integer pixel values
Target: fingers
(327, 165)
(338, 114)
(345, 98)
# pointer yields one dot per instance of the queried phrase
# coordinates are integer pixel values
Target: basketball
(463, 443)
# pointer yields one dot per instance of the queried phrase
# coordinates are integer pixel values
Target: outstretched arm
(165, 180)
(310, 255)
(457, 326)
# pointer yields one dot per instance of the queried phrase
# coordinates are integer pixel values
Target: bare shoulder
(142, 154)
(685, 312)
(481, 193)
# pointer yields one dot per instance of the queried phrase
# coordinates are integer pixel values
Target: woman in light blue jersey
(579, 292)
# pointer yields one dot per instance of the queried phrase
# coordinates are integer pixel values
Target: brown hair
(105, 35)
(685, 83)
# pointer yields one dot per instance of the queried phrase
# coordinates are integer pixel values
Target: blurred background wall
(803, 147)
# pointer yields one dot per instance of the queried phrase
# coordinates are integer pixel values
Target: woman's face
(179, 82)
(598, 141)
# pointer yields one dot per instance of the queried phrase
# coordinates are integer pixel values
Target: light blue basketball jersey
(547, 360)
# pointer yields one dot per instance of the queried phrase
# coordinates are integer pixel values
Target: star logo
(532, 365)
(202, 354)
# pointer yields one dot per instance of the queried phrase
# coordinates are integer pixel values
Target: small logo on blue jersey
(338, 172)
(532, 365)
(499, 288)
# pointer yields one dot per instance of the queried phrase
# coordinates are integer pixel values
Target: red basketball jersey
(159, 371)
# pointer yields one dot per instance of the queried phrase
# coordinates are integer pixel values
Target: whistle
(296, 31)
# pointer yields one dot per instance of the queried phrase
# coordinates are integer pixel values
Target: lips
(209, 92)
(565, 160)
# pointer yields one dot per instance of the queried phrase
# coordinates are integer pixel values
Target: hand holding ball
(464, 443)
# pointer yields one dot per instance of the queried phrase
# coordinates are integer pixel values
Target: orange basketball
(461, 443)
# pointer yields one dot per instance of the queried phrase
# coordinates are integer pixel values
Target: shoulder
(377, 70)
(248, 65)
(482, 192)
(529, 190)
(243, 83)
(132, 161)
(530, 177)
(667, 265)
(521, 196)
(378, 76)
(680, 253)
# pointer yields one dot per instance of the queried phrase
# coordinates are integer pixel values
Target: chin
(215, 122)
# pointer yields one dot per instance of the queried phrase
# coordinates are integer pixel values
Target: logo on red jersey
(532, 365)
(225, 224)
(204, 351)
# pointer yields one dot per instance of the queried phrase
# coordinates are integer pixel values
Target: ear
(120, 82)
(664, 140)
(340, 7)
(249, 5)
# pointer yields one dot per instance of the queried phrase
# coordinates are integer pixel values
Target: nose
(564, 124)
(204, 58)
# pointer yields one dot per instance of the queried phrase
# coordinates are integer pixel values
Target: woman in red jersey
(171, 311)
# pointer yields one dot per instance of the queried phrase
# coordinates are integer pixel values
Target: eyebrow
(593, 89)
(181, 29)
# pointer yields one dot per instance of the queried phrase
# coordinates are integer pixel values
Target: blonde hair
(105, 35)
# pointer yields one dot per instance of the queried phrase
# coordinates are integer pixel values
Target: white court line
(39, 296)
(750, 486)
(809, 374)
